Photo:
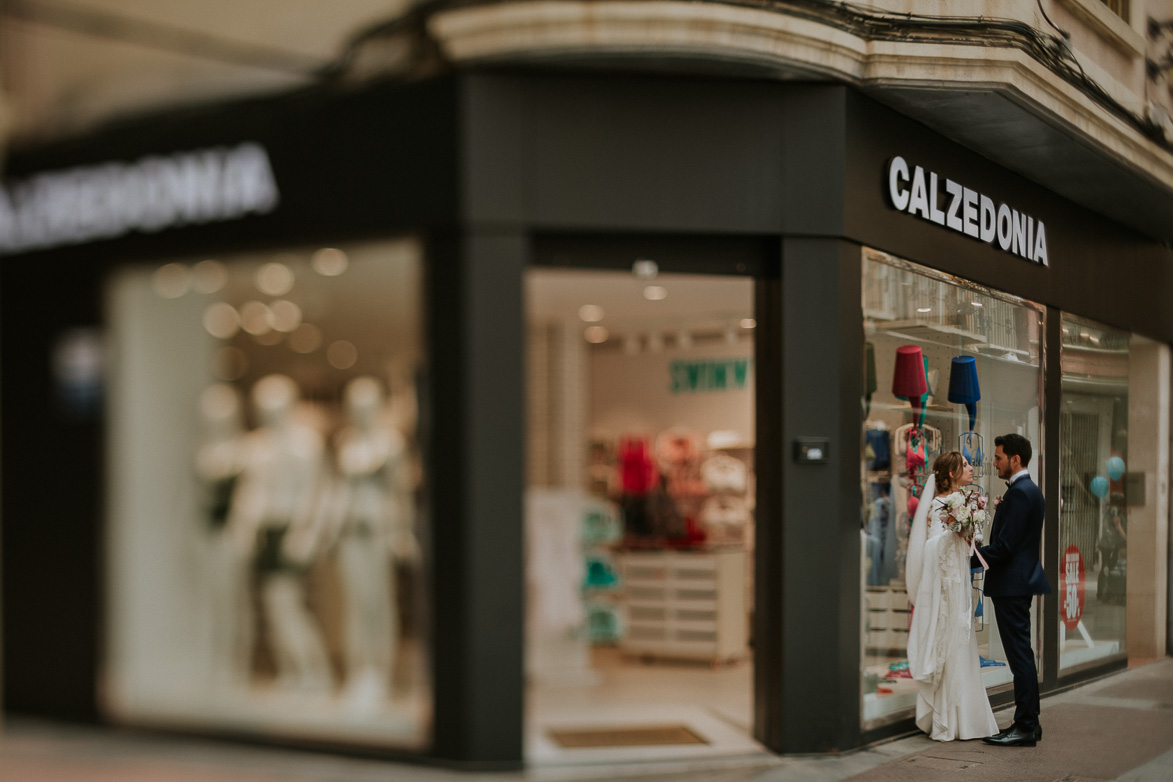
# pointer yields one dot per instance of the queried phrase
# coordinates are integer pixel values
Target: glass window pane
(1093, 432)
(1113, 458)
(265, 524)
(940, 324)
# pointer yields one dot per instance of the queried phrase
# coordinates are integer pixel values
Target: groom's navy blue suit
(1014, 578)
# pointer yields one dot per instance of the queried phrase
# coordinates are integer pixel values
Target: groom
(1014, 578)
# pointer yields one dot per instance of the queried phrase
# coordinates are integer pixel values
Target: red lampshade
(908, 378)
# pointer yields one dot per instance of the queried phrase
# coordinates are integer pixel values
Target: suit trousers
(1013, 614)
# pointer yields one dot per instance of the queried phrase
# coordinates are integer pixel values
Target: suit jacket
(1015, 538)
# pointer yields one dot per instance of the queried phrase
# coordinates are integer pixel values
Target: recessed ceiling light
(924, 309)
(596, 334)
(748, 323)
(590, 313)
(645, 269)
(274, 279)
(655, 293)
(329, 262)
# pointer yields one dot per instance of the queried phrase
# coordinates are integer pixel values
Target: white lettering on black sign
(112, 199)
(954, 206)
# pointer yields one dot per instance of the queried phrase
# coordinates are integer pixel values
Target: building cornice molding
(790, 46)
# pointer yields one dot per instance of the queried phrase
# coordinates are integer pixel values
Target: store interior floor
(713, 704)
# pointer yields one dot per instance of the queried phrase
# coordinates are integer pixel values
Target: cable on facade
(1066, 35)
(1051, 51)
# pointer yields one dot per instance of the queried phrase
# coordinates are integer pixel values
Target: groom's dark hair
(1015, 445)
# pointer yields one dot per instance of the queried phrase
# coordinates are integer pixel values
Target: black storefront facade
(492, 174)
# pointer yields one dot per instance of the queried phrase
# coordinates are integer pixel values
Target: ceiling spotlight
(748, 323)
(221, 320)
(209, 276)
(306, 338)
(274, 279)
(655, 293)
(924, 309)
(329, 262)
(596, 335)
(590, 313)
(286, 315)
(342, 354)
(645, 269)
(256, 317)
(977, 304)
(171, 280)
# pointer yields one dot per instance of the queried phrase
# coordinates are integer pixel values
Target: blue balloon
(1115, 468)
(1100, 486)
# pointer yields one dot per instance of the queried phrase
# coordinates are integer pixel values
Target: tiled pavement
(1116, 728)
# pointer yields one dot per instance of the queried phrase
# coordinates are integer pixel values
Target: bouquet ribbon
(974, 550)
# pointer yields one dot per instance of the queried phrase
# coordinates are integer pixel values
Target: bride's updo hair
(945, 467)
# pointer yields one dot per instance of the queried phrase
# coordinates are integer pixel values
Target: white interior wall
(634, 393)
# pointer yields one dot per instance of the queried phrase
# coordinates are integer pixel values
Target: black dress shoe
(1004, 731)
(1015, 737)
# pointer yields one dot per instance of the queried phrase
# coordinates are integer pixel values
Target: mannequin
(931, 448)
(374, 519)
(272, 518)
(219, 462)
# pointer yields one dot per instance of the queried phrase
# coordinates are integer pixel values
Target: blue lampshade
(963, 385)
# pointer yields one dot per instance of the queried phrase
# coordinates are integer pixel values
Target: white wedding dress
(951, 700)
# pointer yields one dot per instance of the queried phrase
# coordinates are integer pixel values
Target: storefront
(419, 419)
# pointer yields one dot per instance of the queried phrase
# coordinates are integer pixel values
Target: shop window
(1112, 462)
(265, 528)
(944, 330)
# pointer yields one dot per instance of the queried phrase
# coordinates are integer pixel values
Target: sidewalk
(1117, 728)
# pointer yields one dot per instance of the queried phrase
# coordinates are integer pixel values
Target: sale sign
(1072, 588)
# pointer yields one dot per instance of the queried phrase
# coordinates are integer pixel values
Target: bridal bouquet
(966, 514)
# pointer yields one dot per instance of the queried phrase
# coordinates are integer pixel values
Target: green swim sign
(709, 375)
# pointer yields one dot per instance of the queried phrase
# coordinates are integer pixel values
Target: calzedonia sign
(939, 200)
(83, 204)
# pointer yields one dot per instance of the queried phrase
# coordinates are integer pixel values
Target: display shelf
(887, 617)
(685, 604)
(933, 333)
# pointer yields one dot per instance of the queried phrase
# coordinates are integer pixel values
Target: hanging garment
(878, 441)
(637, 470)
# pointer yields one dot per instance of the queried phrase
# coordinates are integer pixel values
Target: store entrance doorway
(639, 515)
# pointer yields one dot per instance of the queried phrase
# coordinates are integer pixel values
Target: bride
(951, 700)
